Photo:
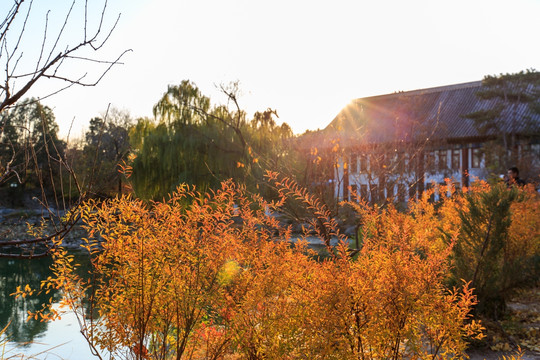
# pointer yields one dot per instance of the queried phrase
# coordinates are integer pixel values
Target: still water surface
(60, 339)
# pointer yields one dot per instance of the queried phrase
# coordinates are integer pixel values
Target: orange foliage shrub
(391, 301)
(523, 248)
(211, 276)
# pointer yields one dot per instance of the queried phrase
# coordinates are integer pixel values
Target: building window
(401, 192)
(412, 191)
(391, 190)
(400, 163)
(384, 162)
(430, 161)
(442, 159)
(363, 163)
(353, 168)
(374, 193)
(524, 150)
(477, 156)
(364, 191)
(406, 161)
(455, 158)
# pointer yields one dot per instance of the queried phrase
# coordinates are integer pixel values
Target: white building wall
(409, 178)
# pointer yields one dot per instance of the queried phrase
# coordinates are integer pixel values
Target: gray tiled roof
(434, 114)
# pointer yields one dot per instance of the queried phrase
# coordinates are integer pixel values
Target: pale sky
(306, 59)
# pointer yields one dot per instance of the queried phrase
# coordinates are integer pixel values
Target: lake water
(60, 339)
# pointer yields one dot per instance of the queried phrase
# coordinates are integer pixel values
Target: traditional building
(394, 146)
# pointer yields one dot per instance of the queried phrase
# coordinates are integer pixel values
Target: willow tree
(196, 143)
(190, 143)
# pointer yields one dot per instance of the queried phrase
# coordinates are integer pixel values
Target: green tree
(177, 148)
(24, 65)
(510, 96)
(497, 244)
(196, 143)
(106, 146)
(30, 147)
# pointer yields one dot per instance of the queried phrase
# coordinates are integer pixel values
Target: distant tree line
(192, 141)
(189, 141)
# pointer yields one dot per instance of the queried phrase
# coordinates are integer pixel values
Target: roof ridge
(459, 86)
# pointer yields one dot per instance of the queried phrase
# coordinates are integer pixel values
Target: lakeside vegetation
(183, 213)
(205, 270)
(202, 275)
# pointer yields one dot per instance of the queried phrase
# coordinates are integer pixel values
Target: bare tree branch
(54, 60)
(21, 71)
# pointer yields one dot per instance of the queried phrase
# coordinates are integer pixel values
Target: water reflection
(13, 273)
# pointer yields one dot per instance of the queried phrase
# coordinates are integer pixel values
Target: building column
(420, 174)
(465, 167)
(345, 181)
